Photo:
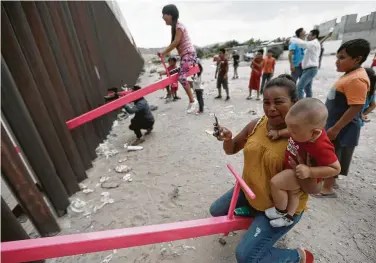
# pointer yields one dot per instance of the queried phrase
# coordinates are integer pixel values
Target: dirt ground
(182, 170)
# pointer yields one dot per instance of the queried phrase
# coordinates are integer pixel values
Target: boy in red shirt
(173, 88)
(269, 65)
(308, 143)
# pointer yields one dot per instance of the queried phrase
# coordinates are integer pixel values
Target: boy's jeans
(305, 82)
(257, 243)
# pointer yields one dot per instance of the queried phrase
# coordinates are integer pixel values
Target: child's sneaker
(280, 222)
(273, 213)
(138, 141)
(148, 131)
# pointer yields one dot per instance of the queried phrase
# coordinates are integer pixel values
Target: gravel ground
(182, 170)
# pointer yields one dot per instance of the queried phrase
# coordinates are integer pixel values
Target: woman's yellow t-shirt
(263, 159)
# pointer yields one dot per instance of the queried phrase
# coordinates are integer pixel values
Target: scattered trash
(105, 200)
(175, 193)
(103, 150)
(104, 179)
(133, 148)
(82, 186)
(222, 241)
(77, 205)
(109, 185)
(209, 132)
(122, 160)
(188, 247)
(127, 178)
(162, 114)
(122, 169)
(107, 259)
(253, 112)
(229, 106)
(87, 191)
(163, 251)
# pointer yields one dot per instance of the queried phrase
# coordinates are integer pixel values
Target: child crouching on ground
(173, 88)
(199, 89)
(143, 119)
(308, 142)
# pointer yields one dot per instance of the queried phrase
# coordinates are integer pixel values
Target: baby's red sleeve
(324, 153)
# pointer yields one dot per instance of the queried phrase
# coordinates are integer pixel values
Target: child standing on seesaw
(173, 88)
(308, 142)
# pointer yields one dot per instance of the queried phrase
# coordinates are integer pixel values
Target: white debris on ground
(179, 155)
(106, 150)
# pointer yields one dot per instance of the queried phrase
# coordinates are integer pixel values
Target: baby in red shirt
(308, 144)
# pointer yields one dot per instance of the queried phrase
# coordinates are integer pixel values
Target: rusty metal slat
(68, 80)
(48, 11)
(53, 88)
(71, 159)
(23, 77)
(27, 135)
(80, 61)
(101, 52)
(86, 42)
(24, 189)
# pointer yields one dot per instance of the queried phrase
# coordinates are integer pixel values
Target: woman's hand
(273, 135)
(222, 133)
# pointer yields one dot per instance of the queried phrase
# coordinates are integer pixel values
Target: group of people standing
(297, 144)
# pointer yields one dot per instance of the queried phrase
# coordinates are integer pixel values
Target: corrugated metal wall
(58, 60)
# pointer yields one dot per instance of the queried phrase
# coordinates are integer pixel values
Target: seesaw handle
(164, 64)
(243, 185)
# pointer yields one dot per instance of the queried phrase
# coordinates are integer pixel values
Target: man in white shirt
(310, 62)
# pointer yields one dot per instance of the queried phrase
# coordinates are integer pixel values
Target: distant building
(348, 28)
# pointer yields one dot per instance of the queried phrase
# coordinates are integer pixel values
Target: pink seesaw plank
(113, 105)
(60, 246)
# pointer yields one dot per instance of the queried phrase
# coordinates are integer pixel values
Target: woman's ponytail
(173, 29)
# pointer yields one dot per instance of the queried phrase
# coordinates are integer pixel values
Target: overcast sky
(218, 21)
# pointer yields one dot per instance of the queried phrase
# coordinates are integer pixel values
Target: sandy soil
(182, 170)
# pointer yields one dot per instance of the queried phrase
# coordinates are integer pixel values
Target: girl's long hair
(173, 11)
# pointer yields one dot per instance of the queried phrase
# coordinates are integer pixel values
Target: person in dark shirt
(143, 119)
(236, 58)
(222, 79)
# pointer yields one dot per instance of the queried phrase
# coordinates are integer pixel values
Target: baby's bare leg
(280, 184)
(310, 185)
(293, 201)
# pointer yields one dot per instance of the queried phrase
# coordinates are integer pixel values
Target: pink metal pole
(164, 65)
(113, 105)
(244, 186)
(234, 200)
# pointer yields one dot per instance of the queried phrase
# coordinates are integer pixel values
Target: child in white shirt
(199, 89)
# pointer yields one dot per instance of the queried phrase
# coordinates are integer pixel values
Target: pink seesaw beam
(113, 105)
(60, 246)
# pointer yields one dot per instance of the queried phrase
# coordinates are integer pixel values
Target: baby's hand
(302, 171)
(273, 135)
